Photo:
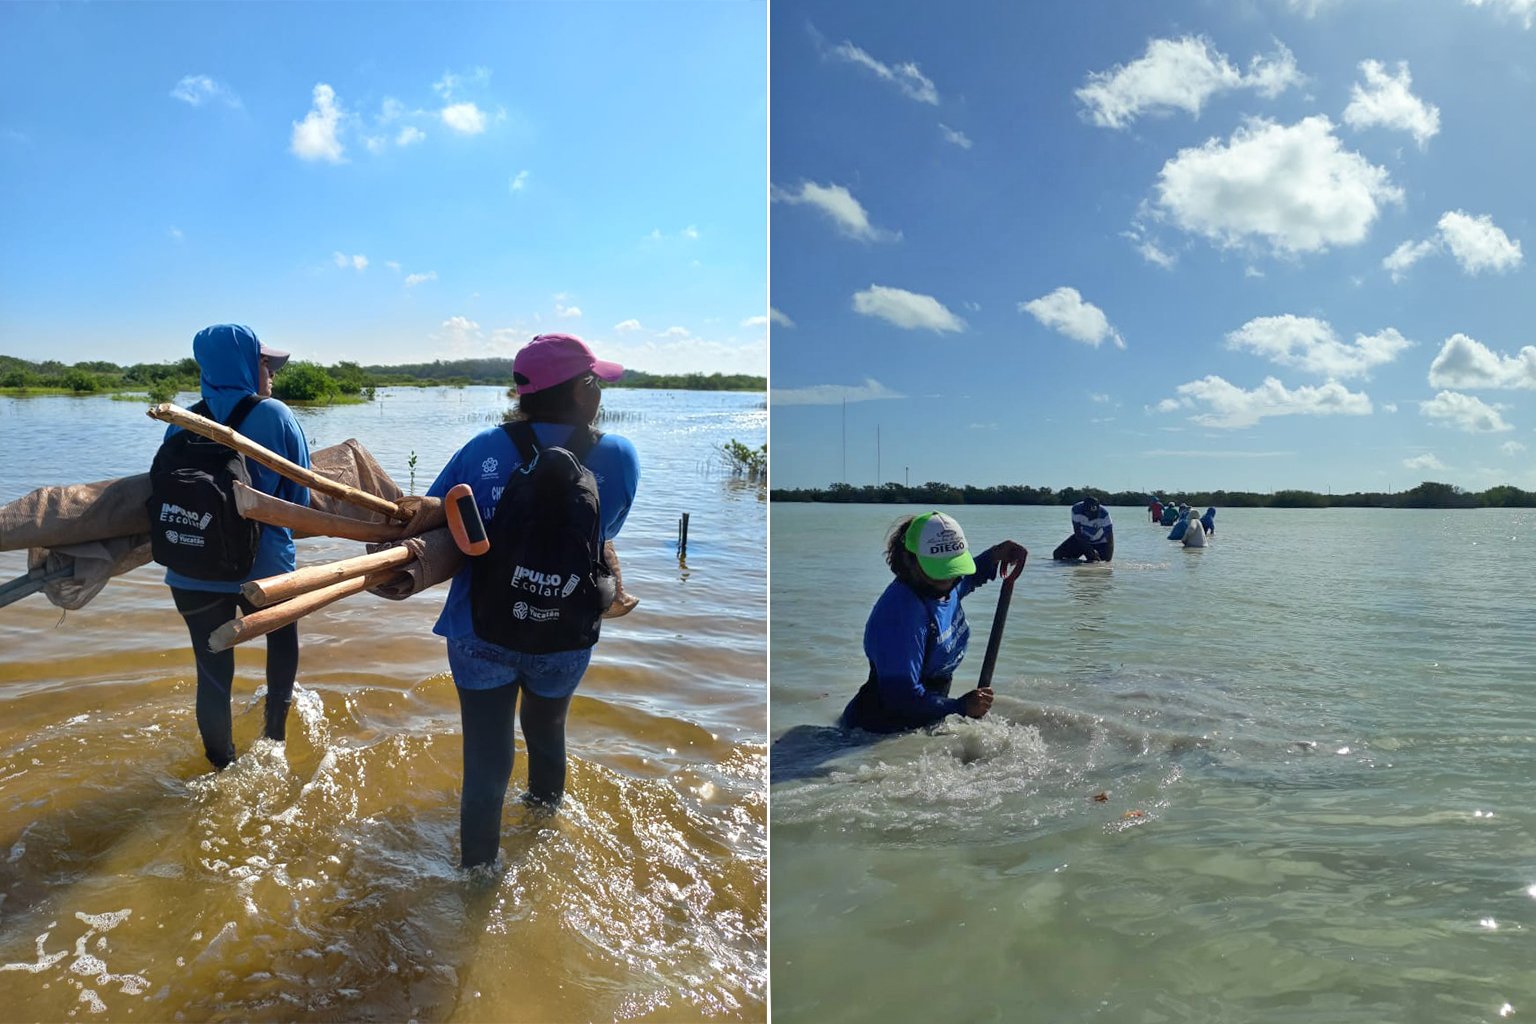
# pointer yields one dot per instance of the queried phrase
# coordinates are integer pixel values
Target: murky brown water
(316, 881)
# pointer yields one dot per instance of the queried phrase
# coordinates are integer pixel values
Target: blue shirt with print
(487, 462)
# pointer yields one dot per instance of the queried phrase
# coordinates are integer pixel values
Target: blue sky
(385, 182)
(1243, 244)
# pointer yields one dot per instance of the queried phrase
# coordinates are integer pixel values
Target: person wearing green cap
(917, 634)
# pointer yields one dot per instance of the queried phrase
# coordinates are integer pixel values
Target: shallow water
(1313, 740)
(315, 880)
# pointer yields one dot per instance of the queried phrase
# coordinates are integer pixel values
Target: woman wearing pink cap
(917, 634)
(558, 394)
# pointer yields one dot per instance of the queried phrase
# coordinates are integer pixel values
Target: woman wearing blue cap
(917, 634)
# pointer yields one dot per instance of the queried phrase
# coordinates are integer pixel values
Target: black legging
(205, 611)
(1075, 547)
(488, 754)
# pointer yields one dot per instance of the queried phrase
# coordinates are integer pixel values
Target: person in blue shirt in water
(1093, 535)
(234, 363)
(916, 635)
(559, 391)
(1209, 521)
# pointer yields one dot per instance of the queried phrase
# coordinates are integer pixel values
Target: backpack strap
(241, 410)
(521, 433)
(580, 442)
(237, 415)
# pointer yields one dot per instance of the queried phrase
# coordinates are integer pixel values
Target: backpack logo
(543, 586)
(199, 532)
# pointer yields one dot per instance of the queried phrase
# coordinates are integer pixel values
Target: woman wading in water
(521, 632)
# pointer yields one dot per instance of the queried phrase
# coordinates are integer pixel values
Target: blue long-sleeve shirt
(910, 639)
(229, 357)
(1094, 527)
(487, 461)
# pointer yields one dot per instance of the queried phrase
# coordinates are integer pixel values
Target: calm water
(317, 882)
(1316, 739)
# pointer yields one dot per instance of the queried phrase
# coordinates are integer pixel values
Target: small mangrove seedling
(411, 462)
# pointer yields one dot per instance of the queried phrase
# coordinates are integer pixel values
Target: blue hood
(229, 356)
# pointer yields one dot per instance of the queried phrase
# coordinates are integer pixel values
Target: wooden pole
(260, 623)
(270, 591)
(201, 425)
(264, 508)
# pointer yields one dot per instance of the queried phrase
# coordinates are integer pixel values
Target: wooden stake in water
(682, 536)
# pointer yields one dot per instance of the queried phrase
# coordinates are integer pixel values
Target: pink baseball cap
(552, 359)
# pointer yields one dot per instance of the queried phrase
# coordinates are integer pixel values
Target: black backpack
(543, 585)
(194, 527)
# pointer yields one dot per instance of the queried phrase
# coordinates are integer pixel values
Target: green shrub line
(1428, 494)
(310, 382)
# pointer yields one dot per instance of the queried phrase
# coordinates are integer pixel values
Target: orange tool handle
(464, 521)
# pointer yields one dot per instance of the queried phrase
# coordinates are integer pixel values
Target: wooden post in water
(682, 537)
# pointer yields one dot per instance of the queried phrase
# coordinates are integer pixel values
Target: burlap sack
(102, 528)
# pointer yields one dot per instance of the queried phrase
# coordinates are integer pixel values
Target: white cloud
(199, 89)
(1387, 100)
(1465, 362)
(1406, 255)
(626, 326)
(175, 233)
(459, 332)
(412, 280)
(691, 233)
(567, 312)
(314, 138)
(1306, 8)
(409, 136)
(1478, 244)
(906, 309)
(375, 144)
(1511, 447)
(449, 85)
(832, 394)
(839, 204)
(358, 262)
(1525, 10)
(1295, 186)
(1229, 406)
(674, 332)
(1179, 74)
(518, 182)
(465, 118)
(1464, 412)
(1425, 461)
(959, 138)
(390, 110)
(905, 77)
(779, 318)
(392, 265)
(1312, 345)
(1065, 311)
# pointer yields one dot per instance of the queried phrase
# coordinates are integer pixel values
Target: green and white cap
(939, 545)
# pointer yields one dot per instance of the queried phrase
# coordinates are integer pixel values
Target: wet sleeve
(895, 641)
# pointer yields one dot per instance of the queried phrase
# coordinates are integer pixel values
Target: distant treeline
(306, 381)
(1427, 495)
(499, 371)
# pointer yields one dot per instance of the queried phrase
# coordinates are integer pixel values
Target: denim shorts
(478, 665)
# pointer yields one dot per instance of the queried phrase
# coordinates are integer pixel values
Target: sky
(1236, 244)
(385, 183)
